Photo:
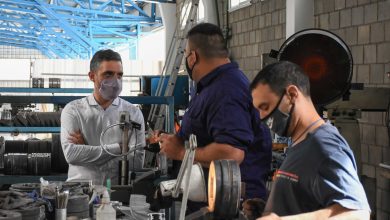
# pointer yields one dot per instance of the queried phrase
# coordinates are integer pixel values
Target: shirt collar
(115, 102)
(209, 78)
(92, 101)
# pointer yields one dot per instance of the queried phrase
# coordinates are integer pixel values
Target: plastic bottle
(105, 211)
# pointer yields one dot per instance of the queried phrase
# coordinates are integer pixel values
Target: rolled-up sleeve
(76, 154)
(229, 120)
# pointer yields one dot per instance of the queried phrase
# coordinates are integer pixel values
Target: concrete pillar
(299, 15)
(168, 14)
(210, 14)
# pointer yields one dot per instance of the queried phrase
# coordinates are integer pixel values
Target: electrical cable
(104, 147)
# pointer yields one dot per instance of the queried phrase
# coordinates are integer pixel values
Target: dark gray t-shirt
(317, 172)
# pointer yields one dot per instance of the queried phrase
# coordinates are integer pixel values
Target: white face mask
(110, 88)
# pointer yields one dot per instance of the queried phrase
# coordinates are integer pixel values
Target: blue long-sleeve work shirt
(221, 111)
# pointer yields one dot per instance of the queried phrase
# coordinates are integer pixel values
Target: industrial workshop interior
(194, 109)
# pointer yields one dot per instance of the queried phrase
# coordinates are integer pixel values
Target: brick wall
(365, 27)
(256, 29)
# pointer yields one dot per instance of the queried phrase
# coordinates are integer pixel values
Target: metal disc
(325, 58)
(224, 188)
(214, 184)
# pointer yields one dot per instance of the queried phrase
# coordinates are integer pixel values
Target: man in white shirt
(84, 120)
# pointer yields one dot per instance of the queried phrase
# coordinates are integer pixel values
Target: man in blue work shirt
(220, 113)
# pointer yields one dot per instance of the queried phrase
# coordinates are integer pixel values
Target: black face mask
(279, 121)
(190, 70)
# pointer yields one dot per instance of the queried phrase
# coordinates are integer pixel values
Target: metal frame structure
(173, 61)
(75, 29)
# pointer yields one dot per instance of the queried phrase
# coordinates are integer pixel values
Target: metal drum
(224, 188)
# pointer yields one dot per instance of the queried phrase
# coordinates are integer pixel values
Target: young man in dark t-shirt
(318, 178)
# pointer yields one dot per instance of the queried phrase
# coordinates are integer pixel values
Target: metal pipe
(125, 118)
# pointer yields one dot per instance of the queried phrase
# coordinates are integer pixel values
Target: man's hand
(154, 137)
(271, 216)
(76, 138)
(252, 208)
(171, 146)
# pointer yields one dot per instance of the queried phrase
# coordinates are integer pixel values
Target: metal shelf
(45, 90)
(10, 179)
(147, 100)
(31, 129)
(169, 100)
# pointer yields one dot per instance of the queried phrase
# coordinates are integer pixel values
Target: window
(236, 4)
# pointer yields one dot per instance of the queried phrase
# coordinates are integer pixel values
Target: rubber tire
(30, 213)
(25, 187)
(59, 164)
(10, 215)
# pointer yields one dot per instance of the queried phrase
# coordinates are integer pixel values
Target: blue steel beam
(53, 48)
(62, 46)
(18, 20)
(132, 19)
(67, 43)
(64, 25)
(92, 12)
(47, 52)
(112, 32)
(62, 38)
(114, 40)
(74, 28)
(17, 45)
(5, 36)
(32, 35)
(58, 54)
(136, 7)
(2, 7)
(19, 40)
(16, 34)
(16, 42)
(104, 5)
(108, 5)
(15, 29)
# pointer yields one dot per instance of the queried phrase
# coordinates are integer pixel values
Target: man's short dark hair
(209, 40)
(103, 55)
(280, 75)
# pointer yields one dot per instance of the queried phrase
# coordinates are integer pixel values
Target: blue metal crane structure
(75, 29)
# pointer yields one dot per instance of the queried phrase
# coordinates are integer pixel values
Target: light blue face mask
(279, 121)
(110, 88)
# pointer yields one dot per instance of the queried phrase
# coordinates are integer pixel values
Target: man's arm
(81, 153)
(333, 212)
(173, 147)
(216, 151)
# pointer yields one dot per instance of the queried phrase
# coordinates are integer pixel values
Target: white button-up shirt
(90, 161)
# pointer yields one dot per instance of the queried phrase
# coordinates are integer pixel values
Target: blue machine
(180, 93)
